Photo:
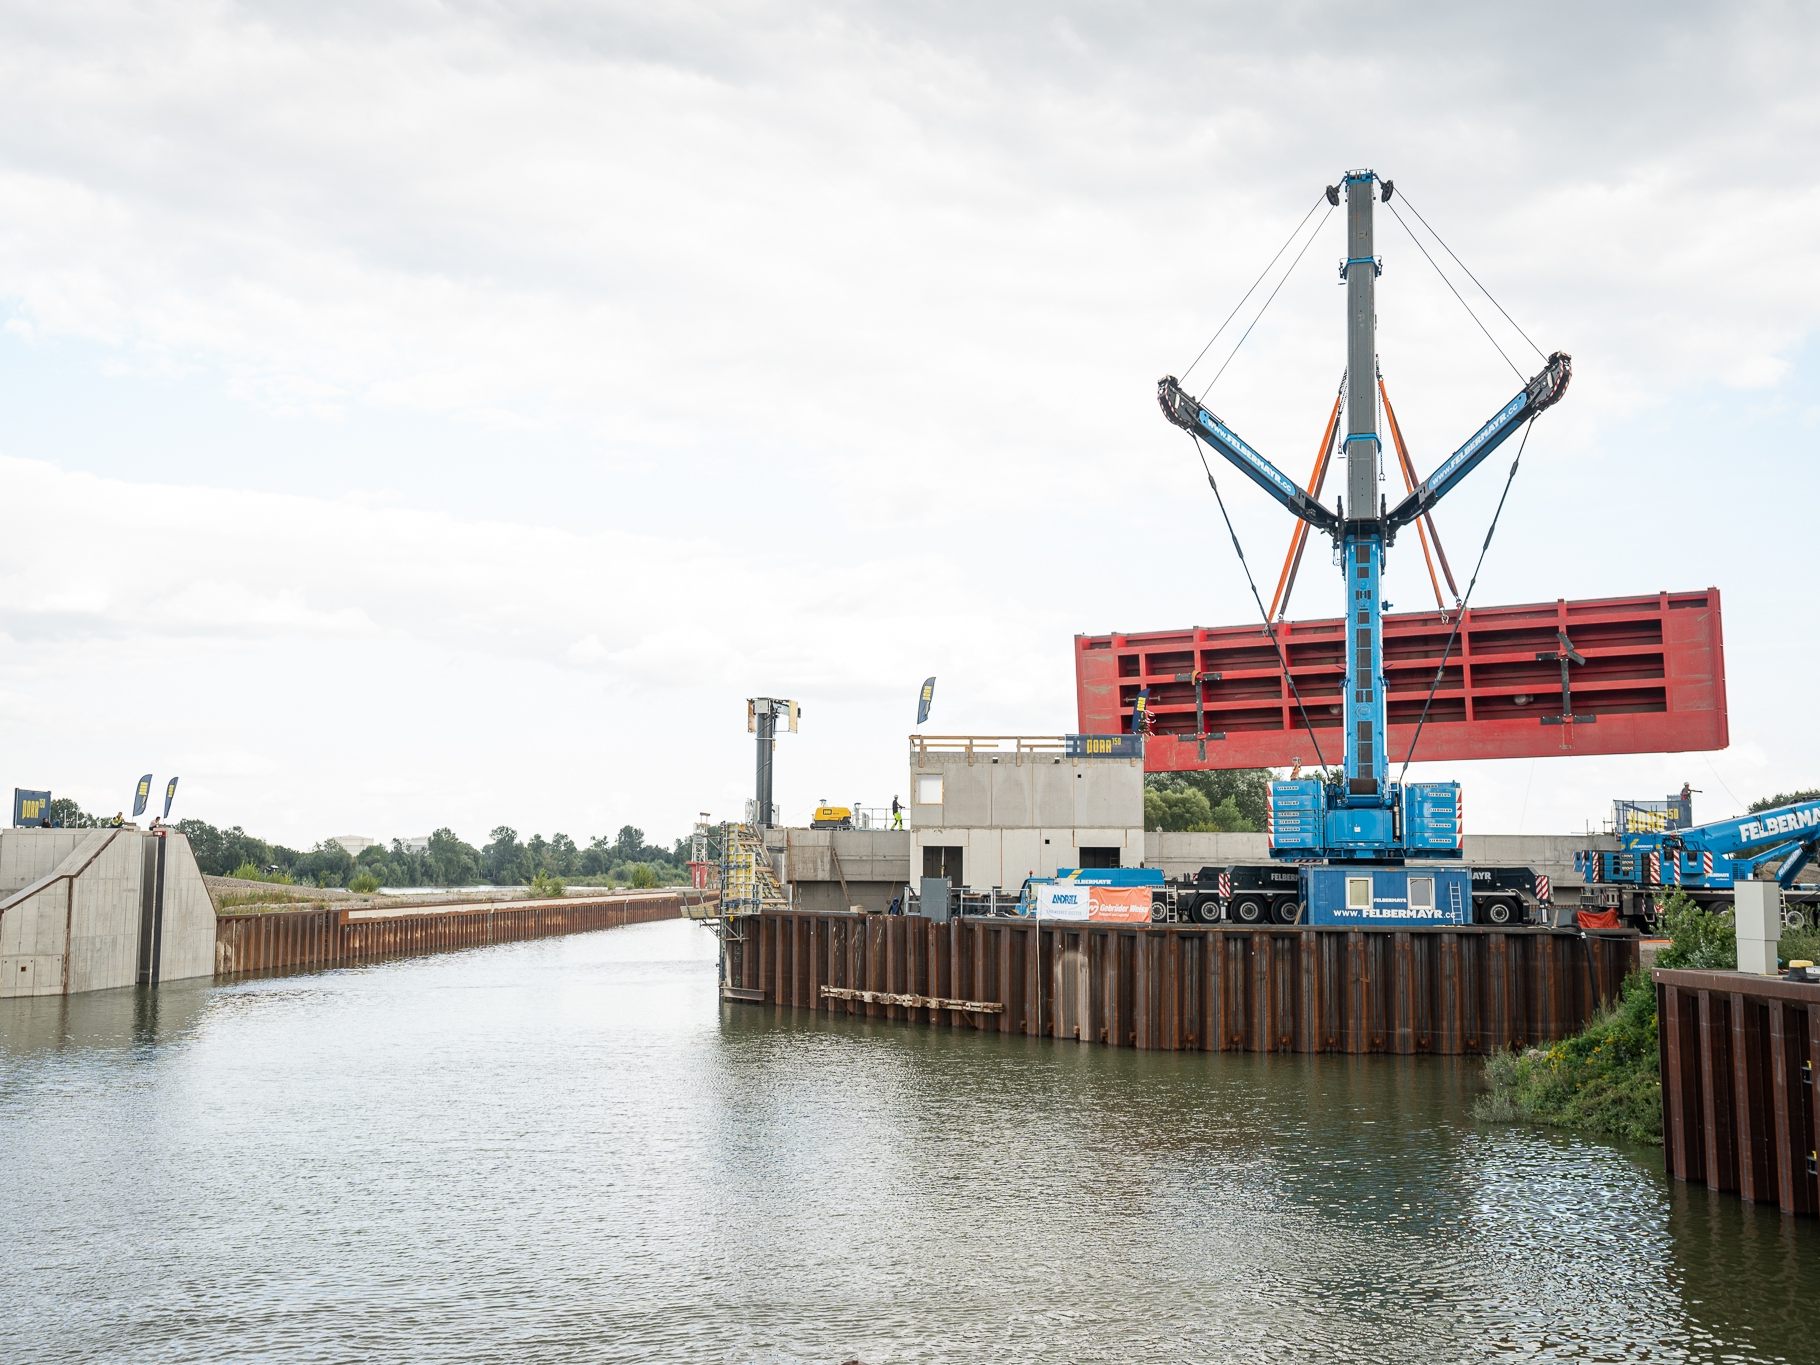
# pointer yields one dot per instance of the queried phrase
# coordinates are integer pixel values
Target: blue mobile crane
(1355, 837)
(1660, 851)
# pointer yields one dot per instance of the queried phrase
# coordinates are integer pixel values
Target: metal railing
(988, 744)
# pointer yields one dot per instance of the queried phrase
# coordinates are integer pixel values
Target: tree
(1236, 800)
(629, 844)
(1767, 803)
(503, 859)
(1176, 808)
(66, 814)
(450, 861)
(564, 857)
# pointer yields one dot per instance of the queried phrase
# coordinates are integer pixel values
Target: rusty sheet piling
(1740, 1101)
(293, 939)
(1182, 988)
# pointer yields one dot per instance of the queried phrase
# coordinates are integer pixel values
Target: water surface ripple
(569, 1151)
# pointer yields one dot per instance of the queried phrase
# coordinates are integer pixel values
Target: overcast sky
(423, 414)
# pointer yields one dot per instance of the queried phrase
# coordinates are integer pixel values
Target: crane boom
(1188, 413)
(1540, 394)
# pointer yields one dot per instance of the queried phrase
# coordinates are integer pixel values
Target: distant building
(355, 844)
(420, 844)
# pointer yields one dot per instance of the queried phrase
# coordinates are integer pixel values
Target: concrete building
(991, 811)
(86, 910)
(354, 844)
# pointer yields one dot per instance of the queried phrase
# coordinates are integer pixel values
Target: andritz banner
(141, 795)
(30, 808)
(1070, 900)
(170, 795)
(924, 699)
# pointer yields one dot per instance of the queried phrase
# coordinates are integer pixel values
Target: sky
(446, 414)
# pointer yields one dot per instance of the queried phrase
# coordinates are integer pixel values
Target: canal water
(568, 1150)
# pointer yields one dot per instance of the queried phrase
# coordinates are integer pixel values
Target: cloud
(543, 369)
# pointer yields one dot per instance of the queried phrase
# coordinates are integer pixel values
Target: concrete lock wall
(82, 911)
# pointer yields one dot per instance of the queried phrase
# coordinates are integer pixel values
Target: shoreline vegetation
(544, 866)
(1607, 1081)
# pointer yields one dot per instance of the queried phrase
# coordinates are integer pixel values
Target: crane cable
(1282, 658)
(1459, 618)
(1267, 302)
(1469, 275)
(1456, 293)
(1254, 284)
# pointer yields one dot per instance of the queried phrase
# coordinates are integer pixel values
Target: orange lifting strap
(1298, 537)
(1425, 528)
(1317, 479)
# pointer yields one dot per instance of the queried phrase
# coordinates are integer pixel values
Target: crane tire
(1249, 910)
(1284, 912)
(1500, 912)
(1206, 910)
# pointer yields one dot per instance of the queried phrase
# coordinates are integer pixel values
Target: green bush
(644, 876)
(250, 872)
(1702, 940)
(1606, 1080)
(544, 885)
(363, 883)
(1800, 945)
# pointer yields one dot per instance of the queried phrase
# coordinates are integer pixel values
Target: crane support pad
(1653, 679)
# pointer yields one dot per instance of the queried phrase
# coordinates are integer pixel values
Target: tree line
(625, 859)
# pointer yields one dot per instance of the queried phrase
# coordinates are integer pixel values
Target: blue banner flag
(922, 702)
(170, 795)
(141, 795)
(30, 808)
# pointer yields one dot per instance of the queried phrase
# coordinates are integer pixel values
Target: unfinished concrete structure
(90, 909)
(991, 811)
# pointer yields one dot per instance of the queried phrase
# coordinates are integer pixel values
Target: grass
(263, 901)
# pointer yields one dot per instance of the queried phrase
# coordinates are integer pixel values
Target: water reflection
(567, 1150)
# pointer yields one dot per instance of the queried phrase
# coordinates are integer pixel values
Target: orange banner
(1122, 904)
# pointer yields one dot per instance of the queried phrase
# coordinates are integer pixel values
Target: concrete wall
(1016, 790)
(78, 900)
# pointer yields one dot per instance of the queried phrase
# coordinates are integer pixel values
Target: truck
(1660, 851)
(1278, 893)
(1360, 840)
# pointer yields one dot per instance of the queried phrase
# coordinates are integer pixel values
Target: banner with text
(1071, 900)
(30, 808)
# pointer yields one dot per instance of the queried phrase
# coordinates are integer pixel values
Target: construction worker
(118, 820)
(897, 814)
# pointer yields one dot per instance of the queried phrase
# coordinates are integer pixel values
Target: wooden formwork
(290, 939)
(1179, 987)
(1740, 1106)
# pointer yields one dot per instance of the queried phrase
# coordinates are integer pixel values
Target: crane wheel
(1284, 912)
(1248, 910)
(1206, 910)
(1499, 912)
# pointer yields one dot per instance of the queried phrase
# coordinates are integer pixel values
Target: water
(569, 1151)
